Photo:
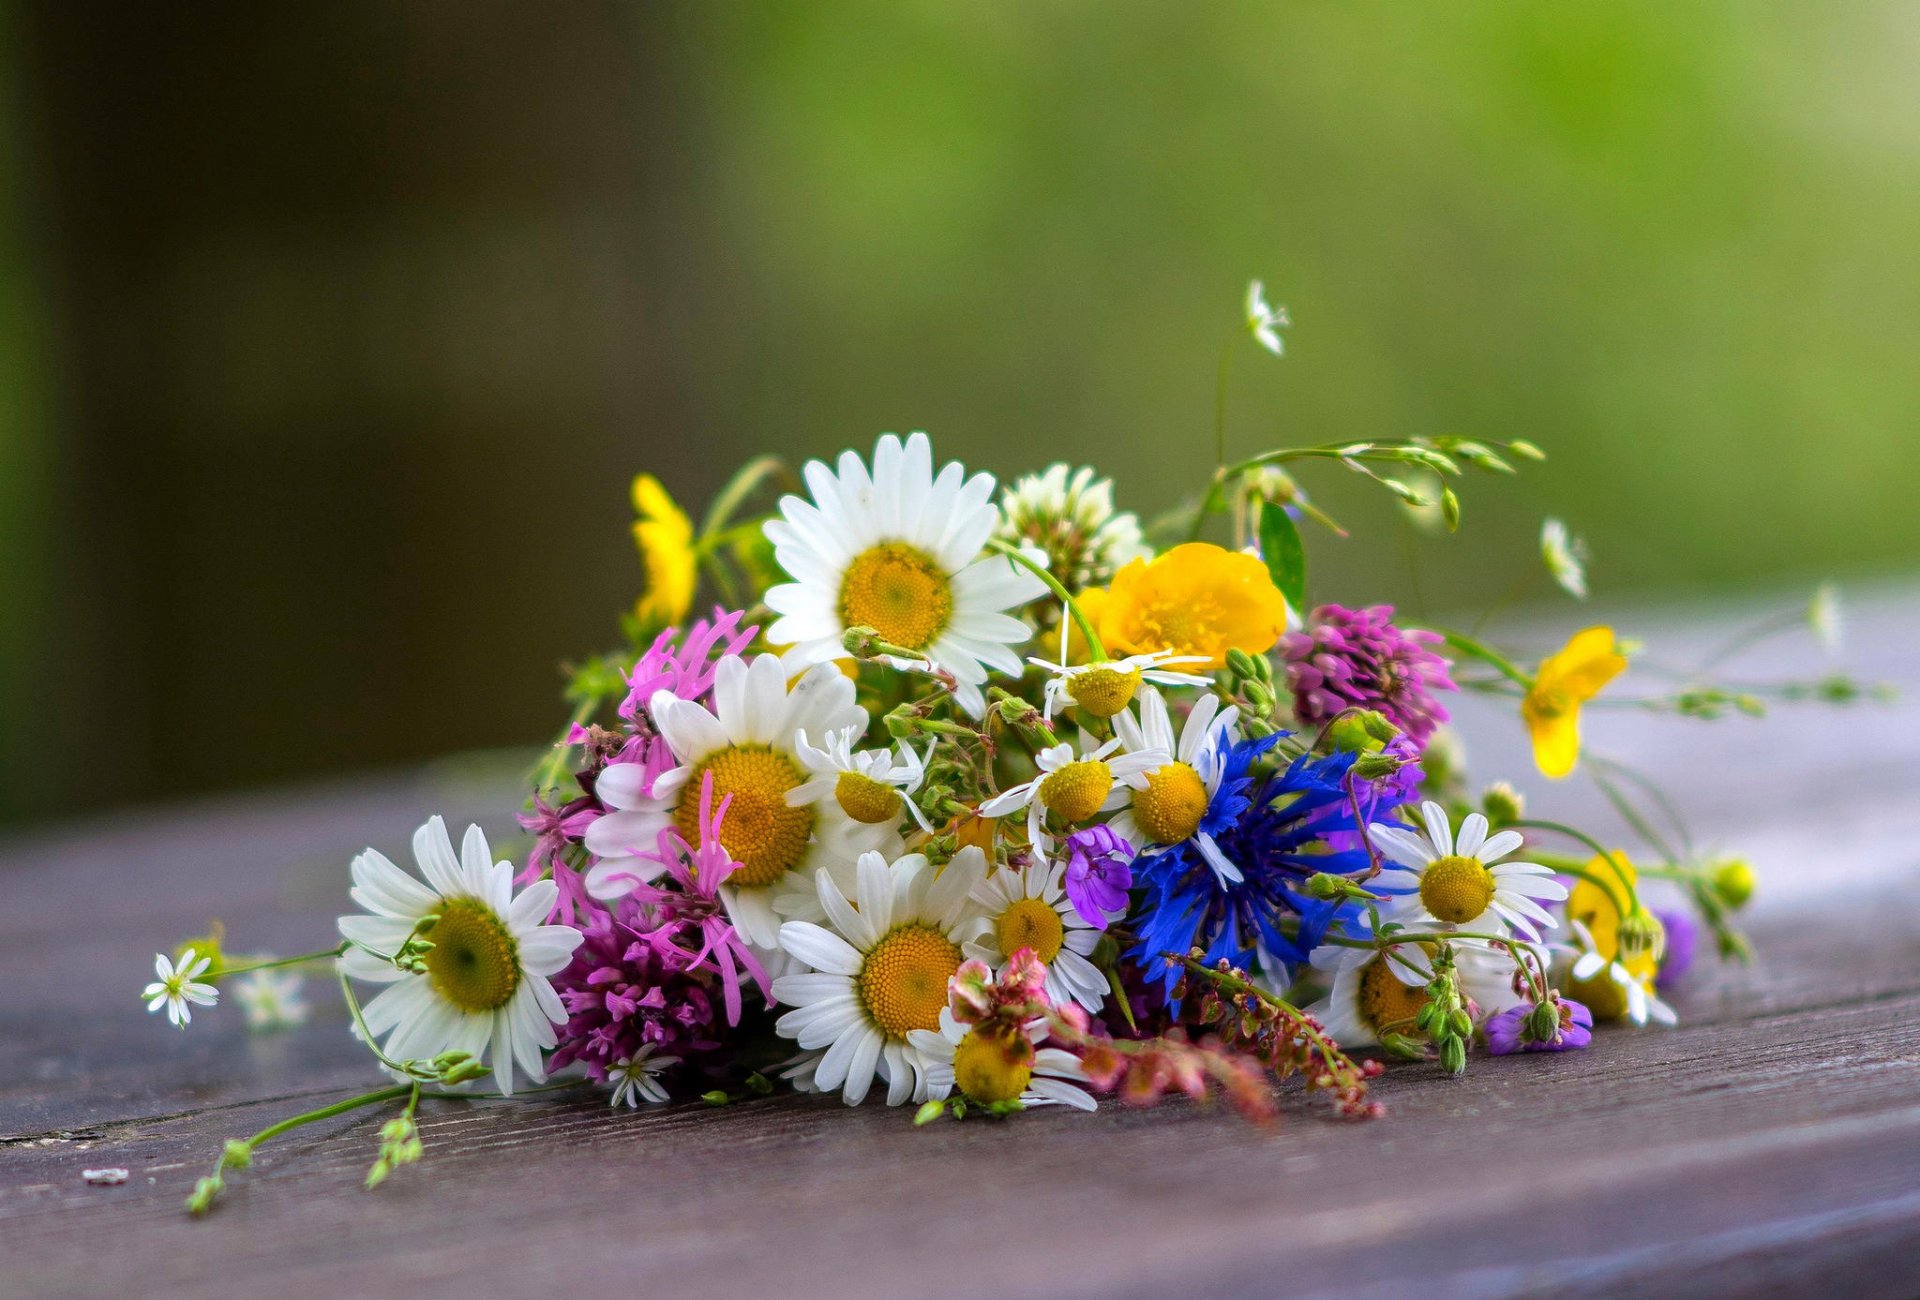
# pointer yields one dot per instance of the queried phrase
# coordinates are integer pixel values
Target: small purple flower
(1683, 935)
(1516, 1029)
(1099, 874)
(1357, 659)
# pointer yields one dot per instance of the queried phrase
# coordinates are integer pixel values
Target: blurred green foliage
(358, 319)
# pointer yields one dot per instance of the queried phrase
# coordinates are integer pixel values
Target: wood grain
(1770, 1145)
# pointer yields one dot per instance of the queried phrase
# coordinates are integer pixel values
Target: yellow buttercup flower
(664, 535)
(1565, 682)
(1197, 599)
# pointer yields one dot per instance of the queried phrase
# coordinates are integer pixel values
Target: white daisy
(1170, 799)
(486, 986)
(1069, 516)
(175, 987)
(637, 1076)
(1462, 884)
(899, 550)
(1104, 689)
(746, 743)
(870, 785)
(271, 999)
(1074, 787)
(1372, 994)
(1642, 1003)
(878, 970)
(988, 1071)
(1028, 908)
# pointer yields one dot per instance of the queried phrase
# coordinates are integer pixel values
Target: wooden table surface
(1770, 1144)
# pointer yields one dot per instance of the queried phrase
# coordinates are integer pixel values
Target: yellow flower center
(760, 832)
(1103, 692)
(1077, 790)
(474, 962)
(899, 592)
(1456, 889)
(1030, 923)
(1548, 703)
(1385, 1002)
(1170, 808)
(865, 799)
(990, 1067)
(903, 981)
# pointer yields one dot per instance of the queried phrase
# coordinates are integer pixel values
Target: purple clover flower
(1099, 874)
(1357, 659)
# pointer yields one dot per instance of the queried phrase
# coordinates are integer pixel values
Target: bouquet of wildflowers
(910, 788)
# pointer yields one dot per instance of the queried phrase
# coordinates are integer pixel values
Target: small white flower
(1074, 788)
(1462, 883)
(1827, 617)
(637, 1076)
(1565, 556)
(1051, 1078)
(175, 988)
(1068, 515)
(870, 785)
(1029, 908)
(1104, 689)
(1266, 321)
(1642, 1003)
(271, 999)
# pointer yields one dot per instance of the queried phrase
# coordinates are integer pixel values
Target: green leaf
(1286, 558)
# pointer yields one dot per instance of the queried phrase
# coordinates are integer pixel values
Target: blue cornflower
(1258, 916)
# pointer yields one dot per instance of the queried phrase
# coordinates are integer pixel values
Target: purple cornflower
(1356, 658)
(695, 905)
(1683, 936)
(1099, 874)
(1535, 1027)
(625, 990)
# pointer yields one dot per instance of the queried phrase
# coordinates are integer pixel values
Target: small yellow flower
(1196, 599)
(1565, 682)
(664, 535)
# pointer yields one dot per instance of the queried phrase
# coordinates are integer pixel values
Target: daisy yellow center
(1170, 808)
(1103, 692)
(1386, 1002)
(903, 981)
(761, 832)
(899, 592)
(1456, 889)
(994, 1066)
(1077, 790)
(1030, 923)
(474, 962)
(865, 799)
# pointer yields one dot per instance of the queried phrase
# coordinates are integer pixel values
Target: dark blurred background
(331, 335)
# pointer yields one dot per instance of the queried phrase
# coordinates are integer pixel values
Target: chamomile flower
(1105, 688)
(1028, 908)
(998, 1065)
(1069, 515)
(1372, 995)
(176, 988)
(870, 785)
(271, 999)
(637, 1076)
(1073, 787)
(746, 743)
(1170, 802)
(1265, 321)
(486, 984)
(878, 970)
(899, 549)
(1613, 984)
(1461, 883)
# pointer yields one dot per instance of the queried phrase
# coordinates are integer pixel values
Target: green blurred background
(330, 335)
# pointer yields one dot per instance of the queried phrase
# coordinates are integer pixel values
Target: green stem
(1095, 646)
(1487, 655)
(278, 962)
(1633, 898)
(272, 1131)
(741, 486)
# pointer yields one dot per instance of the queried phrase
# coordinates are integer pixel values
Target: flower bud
(1733, 881)
(1502, 804)
(1376, 767)
(236, 1155)
(1542, 1024)
(1363, 732)
(861, 642)
(1459, 1024)
(1453, 1055)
